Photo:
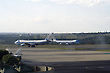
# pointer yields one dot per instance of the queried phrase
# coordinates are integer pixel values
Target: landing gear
(31, 45)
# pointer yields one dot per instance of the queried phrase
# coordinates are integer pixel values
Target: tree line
(84, 38)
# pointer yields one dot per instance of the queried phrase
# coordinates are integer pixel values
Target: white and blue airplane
(33, 43)
(67, 42)
(64, 42)
(30, 43)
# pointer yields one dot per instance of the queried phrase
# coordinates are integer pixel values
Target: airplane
(67, 42)
(33, 43)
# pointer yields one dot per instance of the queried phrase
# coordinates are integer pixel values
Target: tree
(10, 60)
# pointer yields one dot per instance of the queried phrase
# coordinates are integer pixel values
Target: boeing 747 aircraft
(67, 42)
(33, 43)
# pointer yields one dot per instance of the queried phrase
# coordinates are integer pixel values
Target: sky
(46, 16)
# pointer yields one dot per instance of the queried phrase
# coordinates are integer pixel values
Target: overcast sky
(40, 16)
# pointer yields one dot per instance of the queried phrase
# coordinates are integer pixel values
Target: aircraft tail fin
(50, 37)
(19, 52)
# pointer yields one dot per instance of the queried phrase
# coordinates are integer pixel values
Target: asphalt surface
(68, 61)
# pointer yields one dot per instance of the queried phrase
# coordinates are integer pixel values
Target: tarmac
(68, 61)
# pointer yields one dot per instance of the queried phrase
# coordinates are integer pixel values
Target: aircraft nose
(16, 42)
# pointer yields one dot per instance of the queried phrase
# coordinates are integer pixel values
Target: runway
(68, 61)
(63, 55)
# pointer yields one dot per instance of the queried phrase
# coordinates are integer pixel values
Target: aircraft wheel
(33, 46)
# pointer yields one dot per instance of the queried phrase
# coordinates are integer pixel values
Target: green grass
(106, 50)
(76, 47)
(4, 46)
